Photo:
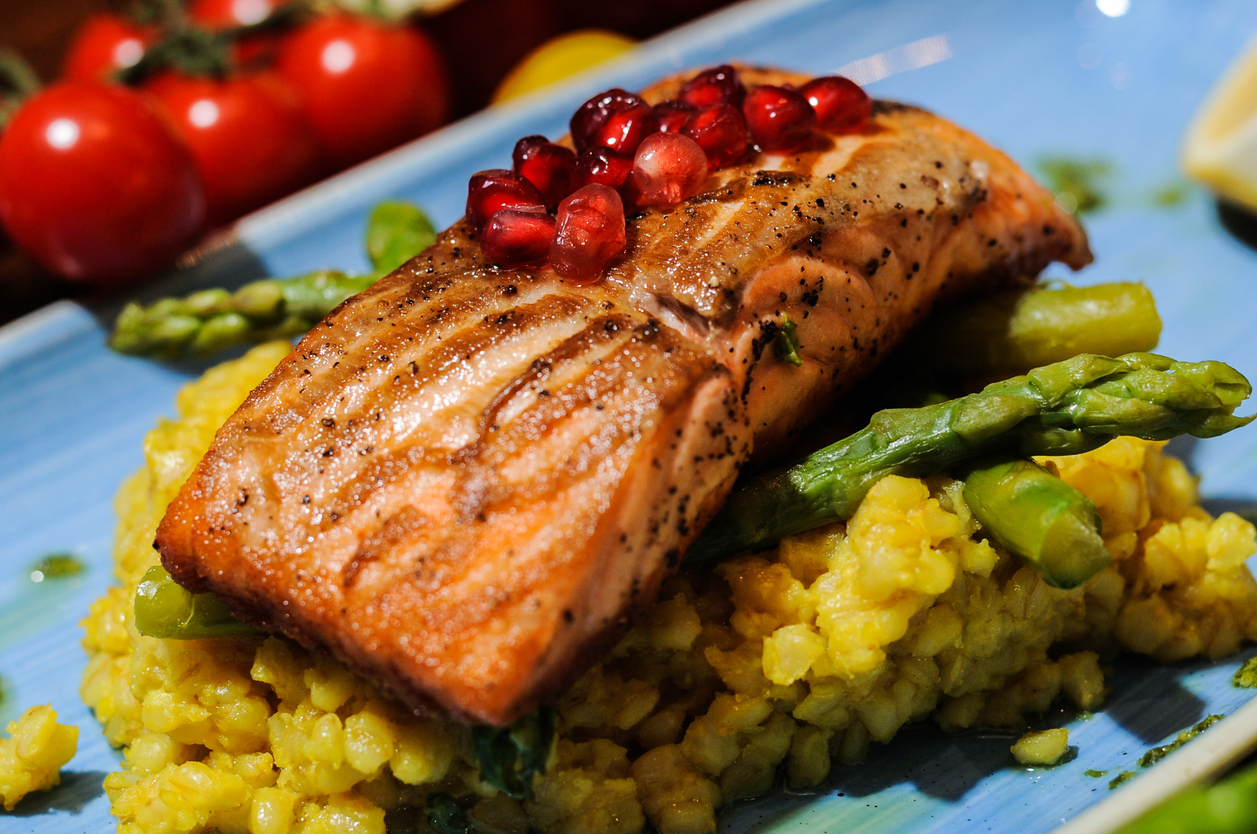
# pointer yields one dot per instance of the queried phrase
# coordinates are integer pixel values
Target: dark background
(481, 41)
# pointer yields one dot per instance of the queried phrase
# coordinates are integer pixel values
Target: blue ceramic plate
(1042, 78)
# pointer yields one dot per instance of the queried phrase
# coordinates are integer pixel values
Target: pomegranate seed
(668, 168)
(548, 166)
(495, 189)
(839, 103)
(721, 132)
(671, 116)
(615, 119)
(516, 237)
(718, 85)
(603, 166)
(588, 233)
(778, 119)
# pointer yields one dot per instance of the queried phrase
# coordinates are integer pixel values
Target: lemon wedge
(1220, 150)
(560, 57)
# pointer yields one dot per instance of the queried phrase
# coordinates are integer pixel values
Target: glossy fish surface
(466, 480)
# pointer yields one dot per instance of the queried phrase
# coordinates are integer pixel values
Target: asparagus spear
(1059, 409)
(1039, 518)
(1009, 332)
(163, 608)
(208, 321)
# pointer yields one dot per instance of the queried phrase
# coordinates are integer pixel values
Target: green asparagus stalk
(1039, 518)
(206, 322)
(209, 321)
(1009, 332)
(1059, 409)
(163, 608)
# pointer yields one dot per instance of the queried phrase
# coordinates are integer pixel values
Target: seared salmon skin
(466, 481)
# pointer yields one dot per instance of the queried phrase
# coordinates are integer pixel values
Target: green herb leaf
(788, 342)
(56, 566)
(1169, 196)
(1077, 182)
(509, 757)
(1246, 675)
(1121, 778)
(396, 232)
(445, 815)
(1156, 754)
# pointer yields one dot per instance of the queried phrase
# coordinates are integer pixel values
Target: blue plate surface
(1036, 77)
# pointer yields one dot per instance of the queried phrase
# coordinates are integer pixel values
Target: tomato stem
(190, 50)
(196, 51)
(18, 81)
(155, 12)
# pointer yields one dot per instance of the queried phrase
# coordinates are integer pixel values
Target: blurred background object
(560, 57)
(1220, 150)
(480, 41)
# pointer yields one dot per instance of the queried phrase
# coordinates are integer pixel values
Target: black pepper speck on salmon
(466, 480)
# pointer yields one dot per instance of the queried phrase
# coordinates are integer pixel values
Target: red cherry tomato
(104, 44)
(366, 86)
(217, 15)
(95, 186)
(247, 135)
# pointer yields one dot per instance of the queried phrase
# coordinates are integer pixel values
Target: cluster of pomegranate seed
(567, 207)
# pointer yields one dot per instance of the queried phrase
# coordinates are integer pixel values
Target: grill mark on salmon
(466, 481)
(601, 330)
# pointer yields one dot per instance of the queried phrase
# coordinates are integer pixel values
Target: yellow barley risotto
(786, 661)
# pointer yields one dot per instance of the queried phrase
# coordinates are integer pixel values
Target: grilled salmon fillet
(465, 481)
